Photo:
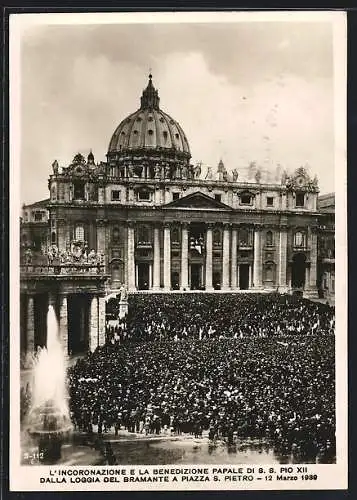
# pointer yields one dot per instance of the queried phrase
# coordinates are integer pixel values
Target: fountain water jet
(48, 419)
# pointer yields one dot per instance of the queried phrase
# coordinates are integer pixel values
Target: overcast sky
(241, 91)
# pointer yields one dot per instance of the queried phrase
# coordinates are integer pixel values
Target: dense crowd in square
(235, 365)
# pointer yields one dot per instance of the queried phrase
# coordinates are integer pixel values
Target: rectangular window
(175, 196)
(246, 199)
(78, 190)
(300, 199)
(270, 201)
(115, 195)
(38, 216)
(79, 233)
(144, 195)
(218, 197)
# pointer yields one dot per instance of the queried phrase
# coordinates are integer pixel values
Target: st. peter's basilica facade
(147, 219)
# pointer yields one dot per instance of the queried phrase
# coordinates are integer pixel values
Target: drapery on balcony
(144, 244)
(40, 270)
(245, 245)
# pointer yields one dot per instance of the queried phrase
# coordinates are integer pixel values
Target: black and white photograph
(178, 251)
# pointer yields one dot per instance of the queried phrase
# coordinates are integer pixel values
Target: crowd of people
(207, 316)
(77, 253)
(234, 365)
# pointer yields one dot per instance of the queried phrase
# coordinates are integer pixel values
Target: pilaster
(63, 325)
(94, 324)
(61, 234)
(101, 320)
(282, 265)
(30, 327)
(257, 266)
(131, 257)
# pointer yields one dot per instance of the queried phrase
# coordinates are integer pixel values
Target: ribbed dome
(149, 127)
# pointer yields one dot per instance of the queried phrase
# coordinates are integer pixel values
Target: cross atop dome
(150, 98)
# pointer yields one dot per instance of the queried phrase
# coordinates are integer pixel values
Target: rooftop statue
(197, 170)
(209, 174)
(55, 167)
(284, 177)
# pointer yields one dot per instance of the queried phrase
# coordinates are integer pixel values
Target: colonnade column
(101, 320)
(234, 282)
(282, 259)
(63, 325)
(30, 326)
(131, 257)
(225, 273)
(209, 258)
(257, 266)
(94, 324)
(184, 256)
(156, 270)
(167, 257)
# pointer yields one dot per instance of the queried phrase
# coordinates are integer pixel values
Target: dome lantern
(150, 98)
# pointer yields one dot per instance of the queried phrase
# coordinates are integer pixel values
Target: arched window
(79, 233)
(299, 239)
(269, 238)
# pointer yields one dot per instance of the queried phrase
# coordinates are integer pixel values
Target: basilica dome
(149, 129)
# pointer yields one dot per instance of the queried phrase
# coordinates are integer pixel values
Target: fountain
(48, 419)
